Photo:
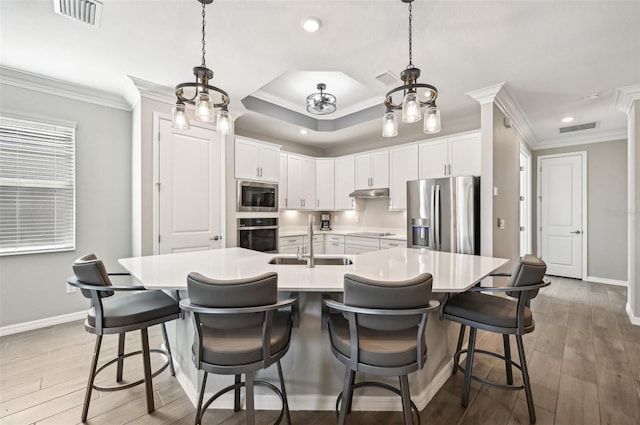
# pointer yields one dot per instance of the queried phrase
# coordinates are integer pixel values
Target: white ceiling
(550, 53)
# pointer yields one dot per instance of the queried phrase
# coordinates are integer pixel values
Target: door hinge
(158, 137)
(522, 228)
(521, 168)
(159, 238)
(522, 198)
(158, 186)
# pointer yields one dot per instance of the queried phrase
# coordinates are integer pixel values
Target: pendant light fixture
(206, 98)
(416, 95)
(321, 103)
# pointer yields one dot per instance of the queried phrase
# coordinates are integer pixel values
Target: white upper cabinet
(403, 166)
(455, 156)
(301, 183)
(325, 184)
(282, 186)
(372, 170)
(256, 160)
(344, 182)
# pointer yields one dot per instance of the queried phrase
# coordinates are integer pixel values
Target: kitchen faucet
(311, 259)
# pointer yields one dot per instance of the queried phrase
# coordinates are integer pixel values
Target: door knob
(577, 232)
(215, 238)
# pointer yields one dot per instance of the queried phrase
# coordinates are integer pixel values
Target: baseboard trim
(634, 320)
(614, 282)
(42, 323)
(326, 402)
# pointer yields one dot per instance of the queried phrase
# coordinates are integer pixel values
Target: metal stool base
(132, 384)
(377, 385)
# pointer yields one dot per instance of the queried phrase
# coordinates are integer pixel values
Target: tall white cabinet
(325, 184)
(344, 171)
(301, 184)
(403, 166)
(255, 160)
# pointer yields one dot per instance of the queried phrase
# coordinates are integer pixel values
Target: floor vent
(388, 78)
(578, 127)
(85, 11)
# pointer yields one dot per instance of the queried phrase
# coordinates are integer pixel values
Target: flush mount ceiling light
(311, 24)
(321, 103)
(416, 95)
(567, 119)
(303, 131)
(202, 95)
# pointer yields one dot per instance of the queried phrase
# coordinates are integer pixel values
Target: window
(37, 186)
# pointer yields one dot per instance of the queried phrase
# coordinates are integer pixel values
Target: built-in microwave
(256, 196)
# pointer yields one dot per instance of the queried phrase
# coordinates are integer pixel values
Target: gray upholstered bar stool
(239, 330)
(500, 315)
(118, 315)
(380, 330)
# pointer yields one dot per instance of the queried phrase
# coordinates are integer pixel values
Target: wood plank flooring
(584, 360)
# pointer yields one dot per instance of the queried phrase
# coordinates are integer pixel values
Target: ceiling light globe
(180, 118)
(411, 108)
(225, 123)
(432, 123)
(311, 24)
(389, 124)
(204, 108)
(567, 119)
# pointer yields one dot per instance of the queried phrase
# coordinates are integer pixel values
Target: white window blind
(37, 193)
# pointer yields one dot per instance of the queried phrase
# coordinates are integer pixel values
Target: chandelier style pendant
(416, 95)
(321, 103)
(206, 98)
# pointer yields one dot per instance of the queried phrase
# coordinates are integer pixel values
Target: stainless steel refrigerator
(444, 214)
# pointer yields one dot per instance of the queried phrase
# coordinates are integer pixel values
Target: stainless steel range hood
(370, 193)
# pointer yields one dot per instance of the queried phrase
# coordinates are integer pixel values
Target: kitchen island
(312, 376)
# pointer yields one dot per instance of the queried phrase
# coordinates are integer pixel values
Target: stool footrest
(138, 382)
(507, 387)
(384, 387)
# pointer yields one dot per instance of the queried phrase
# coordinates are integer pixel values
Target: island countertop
(451, 272)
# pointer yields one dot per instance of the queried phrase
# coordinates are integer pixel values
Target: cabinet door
(358, 249)
(380, 169)
(334, 248)
(308, 184)
(344, 182)
(464, 155)
(325, 184)
(269, 163)
(363, 171)
(282, 186)
(433, 159)
(403, 167)
(247, 159)
(294, 182)
(289, 249)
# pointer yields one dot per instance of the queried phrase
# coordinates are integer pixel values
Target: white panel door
(190, 174)
(433, 159)
(269, 163)
(344, 182)
(561, 232)
(403, 166)
(464, 155)
(363, 171)
(380, 169)
(325, 184)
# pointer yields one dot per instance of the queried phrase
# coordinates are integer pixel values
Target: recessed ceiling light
(311, 24)
(567, 119)
(303, 131)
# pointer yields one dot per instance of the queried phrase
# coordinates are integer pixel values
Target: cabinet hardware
(257, 171)
(445, 169)
(318, 203)
(577, 232)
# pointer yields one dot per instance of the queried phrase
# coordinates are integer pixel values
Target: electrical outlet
(501, 223)
(71, 289)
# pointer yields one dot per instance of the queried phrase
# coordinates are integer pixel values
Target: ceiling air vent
(388, 78)
(578, 127)
(86, 11)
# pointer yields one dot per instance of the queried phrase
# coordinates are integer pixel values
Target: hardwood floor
(584, 360)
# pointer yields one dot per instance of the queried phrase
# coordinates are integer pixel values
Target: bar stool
(500, 315)
(119, 315)
(239, 330)
(380, 330)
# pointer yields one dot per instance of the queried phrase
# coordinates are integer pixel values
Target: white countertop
(451, 272)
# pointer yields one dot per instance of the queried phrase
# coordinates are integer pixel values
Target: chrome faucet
(311, 258)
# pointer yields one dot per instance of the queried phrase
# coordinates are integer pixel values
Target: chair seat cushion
(136, 308)
(485, 310)
(239, 346)
(377, 348)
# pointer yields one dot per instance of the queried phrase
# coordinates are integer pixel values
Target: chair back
(91, 271)
(529, 271)
(367, 293)
(252, 292)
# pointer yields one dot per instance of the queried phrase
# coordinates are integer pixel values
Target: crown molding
(625, 96)
(27, 80)
(149, 90)
(501, 95)
(606, 136)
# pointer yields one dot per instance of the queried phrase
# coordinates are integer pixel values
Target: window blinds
(37, 194)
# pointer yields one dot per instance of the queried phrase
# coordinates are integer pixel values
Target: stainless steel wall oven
(258, 234)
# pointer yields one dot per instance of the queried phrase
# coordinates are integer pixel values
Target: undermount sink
(319, 261)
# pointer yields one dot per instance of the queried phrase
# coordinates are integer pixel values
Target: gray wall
(606, 206)
(33, 286)
(634, 210)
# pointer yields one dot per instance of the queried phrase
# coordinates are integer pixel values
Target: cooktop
(370, 234)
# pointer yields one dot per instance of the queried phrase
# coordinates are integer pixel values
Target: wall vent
(388, 78)
(85, 11)
(578, 127)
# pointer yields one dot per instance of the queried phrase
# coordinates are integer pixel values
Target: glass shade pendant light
(205, 97)
(432, 120)
(389, 124)
(180, 117)
(415, 96)
(225, 122)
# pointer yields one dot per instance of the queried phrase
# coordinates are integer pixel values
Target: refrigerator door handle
(432, 220)
(436, 219)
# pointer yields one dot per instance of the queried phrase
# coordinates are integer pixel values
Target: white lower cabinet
(392, 243)
(358, 245)
(290, 244)
(318, 244)
(334, 244)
